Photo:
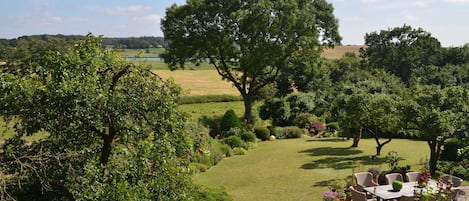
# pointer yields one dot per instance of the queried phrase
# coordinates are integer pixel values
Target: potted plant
(423, 179)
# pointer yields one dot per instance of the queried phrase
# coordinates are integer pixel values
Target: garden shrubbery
(262, 133)
(211, 194)
(229, 120)
(234, 141)
(450, 151)
(248, 136)
(293, 132)
(277, 132)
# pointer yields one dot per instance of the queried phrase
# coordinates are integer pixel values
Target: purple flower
(330, 194)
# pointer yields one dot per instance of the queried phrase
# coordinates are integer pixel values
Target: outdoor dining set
(410, 188)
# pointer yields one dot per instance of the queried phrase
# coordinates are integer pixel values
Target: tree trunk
(357, 136)
(108, 138)
(379, 144)
(248, 99)
(434, 155)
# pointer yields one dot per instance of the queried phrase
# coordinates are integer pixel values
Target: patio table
(385, 192)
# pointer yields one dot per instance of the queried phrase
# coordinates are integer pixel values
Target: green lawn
(300, 169)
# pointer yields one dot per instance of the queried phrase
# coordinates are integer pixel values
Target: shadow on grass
(330, 182)
(342, 162)
(332, 151)
(339, 158)
(328, 139)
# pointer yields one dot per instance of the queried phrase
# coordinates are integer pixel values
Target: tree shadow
(332, 151)
(339, 158)
(338, 163)
(330, 182)
(327, 139)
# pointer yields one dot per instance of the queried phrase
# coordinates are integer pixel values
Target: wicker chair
(393, 177)
(364, 179)
(412, 176)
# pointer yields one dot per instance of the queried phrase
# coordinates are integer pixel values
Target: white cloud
(148, 19)
(456, 1)
(127, 10)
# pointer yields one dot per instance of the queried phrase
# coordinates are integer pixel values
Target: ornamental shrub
(211, 194)
(277, 132)
(262, 133)
(239, 151)
(293, 132)
(303, 120)
(229, 120)
(234, 141)
(248, 136)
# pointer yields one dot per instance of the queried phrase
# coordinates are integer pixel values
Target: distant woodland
(128, 42)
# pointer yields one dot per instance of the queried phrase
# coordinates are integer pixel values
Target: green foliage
(450, 150)
(442, 115)
(277, 132)
(277, 110)
(228, 36)
(234, 141)
(248, 136)
(393, 158)
(303, 120)
(234, 131)
(209, 99)
(195, 168)
(212, 194)
(402, 50)
(333, 126)
(262, 132)
(212, 123)
(239, 151)
(229, 120)
(293, 132)
(114, 131)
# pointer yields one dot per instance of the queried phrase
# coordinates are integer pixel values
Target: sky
(446, 20)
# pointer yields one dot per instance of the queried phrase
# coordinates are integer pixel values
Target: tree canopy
(248, 42)
(111, 130)
(402, 50)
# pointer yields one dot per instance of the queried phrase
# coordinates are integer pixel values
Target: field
(334, 53)
(340, 51)
(199, 82)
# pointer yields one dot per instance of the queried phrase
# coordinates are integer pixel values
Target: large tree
(368, 100)
(402, 50)
(435, 114)
(110, 130)
(248, 42)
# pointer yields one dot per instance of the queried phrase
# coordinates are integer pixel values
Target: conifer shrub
(229, 120)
